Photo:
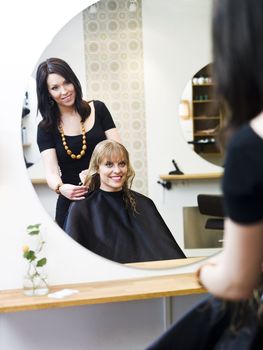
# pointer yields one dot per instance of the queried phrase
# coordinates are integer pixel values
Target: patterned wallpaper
(114, 70)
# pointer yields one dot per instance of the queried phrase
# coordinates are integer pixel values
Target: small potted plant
(35, 279)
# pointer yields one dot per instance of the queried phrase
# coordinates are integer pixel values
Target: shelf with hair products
(206, 112)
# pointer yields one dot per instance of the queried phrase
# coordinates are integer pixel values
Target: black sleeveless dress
(70, 168)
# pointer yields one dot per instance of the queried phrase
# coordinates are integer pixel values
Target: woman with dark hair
(235, 275)
(114, 221)
(70, 129)
(238, 57)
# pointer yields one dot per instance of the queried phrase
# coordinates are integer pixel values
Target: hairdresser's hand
(83, 175)
(73, 192)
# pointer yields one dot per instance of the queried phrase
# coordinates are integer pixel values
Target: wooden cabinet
(206, 112)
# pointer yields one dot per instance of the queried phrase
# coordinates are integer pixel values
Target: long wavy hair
(46, 105)
(110, 150)
(237, 32)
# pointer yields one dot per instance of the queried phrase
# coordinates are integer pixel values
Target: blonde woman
(115, 221)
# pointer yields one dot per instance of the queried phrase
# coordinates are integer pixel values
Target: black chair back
(212, 205)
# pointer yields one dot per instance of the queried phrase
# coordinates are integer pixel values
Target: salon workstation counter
(198, 176)
(109, 291)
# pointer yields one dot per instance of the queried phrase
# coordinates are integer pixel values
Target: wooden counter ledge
(39, 181)
(166, 264)
(201, 176)
(104, 292)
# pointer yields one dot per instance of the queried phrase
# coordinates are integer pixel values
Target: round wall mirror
(201, 116)
(106, 52)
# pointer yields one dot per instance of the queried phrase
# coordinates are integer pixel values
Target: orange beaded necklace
(84, 146)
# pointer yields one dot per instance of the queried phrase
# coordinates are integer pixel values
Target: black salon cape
(208, 326)
(103, 224)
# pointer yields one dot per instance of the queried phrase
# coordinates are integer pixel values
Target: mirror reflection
(201, 116)
(109, 62)
(115, 221)
(29, 122)
(70, 129)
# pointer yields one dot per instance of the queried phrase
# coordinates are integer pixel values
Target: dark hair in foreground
(238, 57)
(46, 105)
(237, 31)
(110, 150)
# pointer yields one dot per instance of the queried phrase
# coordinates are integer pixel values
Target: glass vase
(35, 282)
(35, 278)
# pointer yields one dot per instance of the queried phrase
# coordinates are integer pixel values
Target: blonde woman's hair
(110, 149)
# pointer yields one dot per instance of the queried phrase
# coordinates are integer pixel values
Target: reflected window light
(184, 110)
(133, 5)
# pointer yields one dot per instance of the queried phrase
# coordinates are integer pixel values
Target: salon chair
(212, 205)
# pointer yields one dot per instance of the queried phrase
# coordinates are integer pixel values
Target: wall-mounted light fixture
(132, 5)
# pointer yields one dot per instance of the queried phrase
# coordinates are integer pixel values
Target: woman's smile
(112, 175)
(67, 98)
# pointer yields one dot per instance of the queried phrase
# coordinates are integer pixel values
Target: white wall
(176, 45)
(119, 326)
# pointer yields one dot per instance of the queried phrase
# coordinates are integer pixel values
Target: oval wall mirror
(201, 117)
(104, 46)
